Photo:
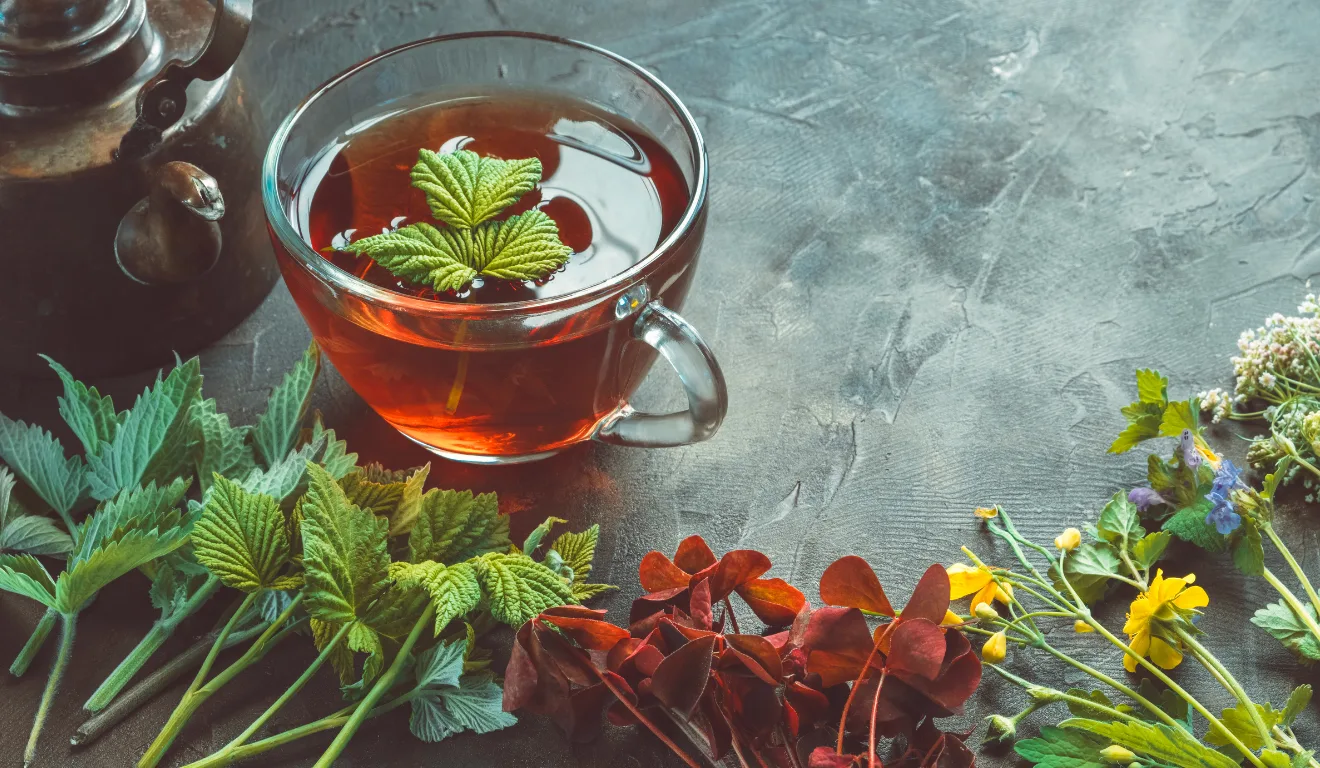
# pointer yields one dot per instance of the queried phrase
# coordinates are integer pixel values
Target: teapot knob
(171, 235)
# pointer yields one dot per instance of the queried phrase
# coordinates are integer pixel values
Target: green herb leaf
(154, 442)
(533, 540)
(336, 459)
(454, 590)
(578, 550)
(1179, 416)
(1189, 525)
(1089, 569)
(241, 537)
(1273, 758)
(25, 575)
(1057, 748)
(1238, 721)
(518, 588)
(1149, 550)
(1279, 620)
(523, 247)
(583, 592)
(363, 639)
(1173, 746)
(277, 429)
(174, 581)
(35, 535)
(152, 508)
(477, 705)
(1081, 710)
(1297, 702)
(284, 479)
(454, 525)
(341, 658)
(441, 665)
(223, 450)
(91, 417)
(1248, 551)
(396, 501)
(1152, 388)
(88, 575)
(464, 189)
(38, 460)
(441, 259)
(344, 552)
(1119, 522)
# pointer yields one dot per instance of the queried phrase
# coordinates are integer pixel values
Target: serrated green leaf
(1172, 746)
(174, 583)
(340, 658)
(285, 478)
(517, 588)
(345, 554)
(363, 639)
(522, 247)
(1057, 748)
(1189, 525)
(91, 417)
(1298, 700)
(241, 538)
(1171, 703)
(336, 458)
(1152, 388)
(151, 508)
(1239, 722)
(223, 450)
(583, 591)
(454, 590)
(1081, 710)
(35, 535)
(1179, 416)
(441, 665)
(25, 575)
(396, 501)
(578, 550)
(441, 259)
(464, 189)
(1143, 424)
(1149, 550)
(475, 705)
(1119, 521)
(394, 613)
(277, 429)
(1280, 621)
(1248, 551)
(533, 540)
(87, 576)
(38, 460)
(454, 525)
(1089, 569)
(155, 440)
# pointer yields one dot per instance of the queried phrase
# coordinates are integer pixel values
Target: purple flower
(1223, 516)
(1191, 456)
(1145, 498)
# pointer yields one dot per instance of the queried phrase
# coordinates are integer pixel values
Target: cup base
(483, 459)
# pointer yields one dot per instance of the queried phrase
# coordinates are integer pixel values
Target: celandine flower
(1167, 601)
(1223, 516)
(967, 580)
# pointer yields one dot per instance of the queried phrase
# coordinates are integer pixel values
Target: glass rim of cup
(322, 269)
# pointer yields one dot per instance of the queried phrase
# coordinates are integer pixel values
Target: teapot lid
(61, 53)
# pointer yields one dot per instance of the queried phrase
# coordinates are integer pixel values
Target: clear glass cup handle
(708, 399)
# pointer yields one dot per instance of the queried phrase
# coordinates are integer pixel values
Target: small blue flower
(1223, 516)
(1191, 456)
(1145, 498)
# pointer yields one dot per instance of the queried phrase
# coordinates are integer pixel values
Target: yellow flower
(1081, 627)
(1069, 540)
(974, 580)
(987, 513)
(1167, 600)
(1115, 753)
(995, 649)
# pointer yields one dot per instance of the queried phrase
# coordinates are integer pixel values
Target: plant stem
(852, 691)
(152, 685)
(1057, 695)
(378, 690)
(34, 643)
(1298, 609)
(290, 693)
(1296, 568)
(1227, 679)
(875, 709)
(147, 647)
(57, 667)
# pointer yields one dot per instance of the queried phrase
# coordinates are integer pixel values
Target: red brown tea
(614, 193)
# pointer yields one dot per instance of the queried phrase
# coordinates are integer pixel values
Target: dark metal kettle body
(130, 208)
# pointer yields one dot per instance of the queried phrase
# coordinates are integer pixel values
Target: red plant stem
(637, 713)
(737, 750)
(728, 608)
(866, 667)
(875, 708)
(789, 747)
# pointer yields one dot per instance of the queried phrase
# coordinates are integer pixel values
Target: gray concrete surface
(942, 235)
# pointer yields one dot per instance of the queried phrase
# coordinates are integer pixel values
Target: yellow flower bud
(1068, 540)
(1117, 754)
(995, 649)
(1081, 627)
(987, 513)
(1004, 593)
(986, 612)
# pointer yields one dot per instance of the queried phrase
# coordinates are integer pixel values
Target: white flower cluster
(1287, 347)
(1216, 402)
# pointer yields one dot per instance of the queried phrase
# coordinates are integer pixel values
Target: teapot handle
(163, 99)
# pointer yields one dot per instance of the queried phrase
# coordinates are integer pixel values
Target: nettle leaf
(1057, 748)
(454, 525)
(583, 592)
(464, 189)
(25, 575)
(224, 450)
(578, 550)
(35, 535)
(476, 704)
(151, 508)
(439, 258)
(1089, 569)
(88, 575)
(277, 429)
(38, 460)
(283, 479)
(1172, 746)
(394, 613)
(155, 441)
(91, 417)
(518, 588)
(397, 501)
(335, 458)
(1149, 550)
(1189, 525)
(1280, 621)
(345, 553)
(454, 590)
(1248, 550)
(533, 540)
(522, 247)
(363, 639)
(1238, 721)
(1119, 521)
(1298, 700)
(241, 537)
(173, 584)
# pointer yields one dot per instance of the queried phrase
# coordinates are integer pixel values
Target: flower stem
(57, 667)
(1227, 680)
(1068, 698)
(378, 690)
(34, 643)
(147, 647)
(875, 710)
(1296, 568)
(1295, 604)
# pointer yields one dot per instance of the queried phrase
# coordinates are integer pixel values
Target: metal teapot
(130, 213)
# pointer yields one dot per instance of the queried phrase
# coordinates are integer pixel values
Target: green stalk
(1296, 568)
(57, 667)
(34, 643)
(1227, 680)
(378, 690)
(147, 647)
(1057, 695)
(1295, 604)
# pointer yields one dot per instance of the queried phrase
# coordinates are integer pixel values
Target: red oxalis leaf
(851, 582)
(774, 601)
(657, 573)
(930, 600)
(681, 678)
(758, 655)
(735, 569)
(592, 634)
(916, 647)
(699, 606)
(694, 555)
(838, 642)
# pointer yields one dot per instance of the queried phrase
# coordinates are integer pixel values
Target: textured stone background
(942, 235)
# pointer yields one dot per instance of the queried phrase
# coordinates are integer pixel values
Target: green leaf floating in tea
(465, 191)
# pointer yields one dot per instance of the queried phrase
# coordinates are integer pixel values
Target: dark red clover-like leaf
(658, 573)
(521, 676)
(585, 627)
(930, 600)
(774, 601)
(699, 606)
(916, 647)
(851, 582)
(838, 642)
(757, 655)
(694, 555)
(735, 569)
(959, 676)
(681, 678)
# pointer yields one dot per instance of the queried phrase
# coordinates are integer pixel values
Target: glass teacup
(519, 380)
